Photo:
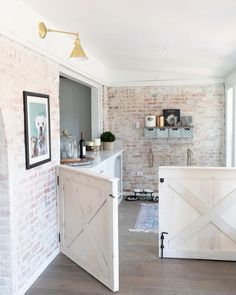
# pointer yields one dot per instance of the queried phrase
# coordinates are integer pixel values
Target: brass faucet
(189, 157)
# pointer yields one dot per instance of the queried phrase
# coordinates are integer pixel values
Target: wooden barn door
(88, 209)
(198, 211)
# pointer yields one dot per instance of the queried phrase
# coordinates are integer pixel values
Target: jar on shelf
(69, 146)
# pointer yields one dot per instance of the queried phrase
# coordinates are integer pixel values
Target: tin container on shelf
(150, 121)
(160, 121)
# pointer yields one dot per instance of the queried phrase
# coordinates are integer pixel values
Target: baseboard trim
(35, 276)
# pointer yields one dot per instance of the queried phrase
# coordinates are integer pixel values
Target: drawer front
(174, 132)
(186, 132)
(150, 132)
(106, 168)
(162, 132)
(100, 168)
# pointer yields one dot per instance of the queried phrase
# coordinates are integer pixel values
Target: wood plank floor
(141, 272)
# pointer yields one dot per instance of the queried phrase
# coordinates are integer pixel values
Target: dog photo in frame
(37, 129)
(171, 117)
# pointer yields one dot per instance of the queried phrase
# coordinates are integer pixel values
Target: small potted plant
(108, 139)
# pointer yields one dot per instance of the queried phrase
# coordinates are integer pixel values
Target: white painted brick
(123, 106)
(25, 190)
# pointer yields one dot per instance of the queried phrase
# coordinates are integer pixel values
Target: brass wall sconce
(77, 50)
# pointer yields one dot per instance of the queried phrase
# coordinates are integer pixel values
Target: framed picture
(186, 120)
(171, 117)
(37, 129)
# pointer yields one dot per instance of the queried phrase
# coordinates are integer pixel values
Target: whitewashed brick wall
(32, 193)
(126, 105)
(105, 109)
(5, 254)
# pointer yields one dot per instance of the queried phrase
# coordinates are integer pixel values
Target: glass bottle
(82, 147)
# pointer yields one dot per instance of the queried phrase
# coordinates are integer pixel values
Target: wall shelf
(168, 132)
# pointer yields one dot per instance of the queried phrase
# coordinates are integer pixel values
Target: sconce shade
(78, 50)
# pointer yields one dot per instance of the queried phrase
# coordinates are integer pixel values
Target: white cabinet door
(197, 209)
(88, 213)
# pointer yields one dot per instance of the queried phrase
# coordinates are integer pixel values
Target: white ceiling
(174, 39)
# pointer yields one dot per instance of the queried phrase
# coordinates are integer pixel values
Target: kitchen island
(106, 162)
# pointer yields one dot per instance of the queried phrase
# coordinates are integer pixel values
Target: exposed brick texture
(32, 193)
(105, 109)
(5, 254)
(126, 105)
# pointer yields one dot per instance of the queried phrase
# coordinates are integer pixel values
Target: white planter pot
(108, 145)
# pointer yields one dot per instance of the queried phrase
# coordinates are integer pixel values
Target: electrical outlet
(139, 173)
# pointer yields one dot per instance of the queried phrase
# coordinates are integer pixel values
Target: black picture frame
(171, 117)
(37, 129)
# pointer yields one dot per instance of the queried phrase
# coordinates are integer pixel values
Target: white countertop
(99, 157)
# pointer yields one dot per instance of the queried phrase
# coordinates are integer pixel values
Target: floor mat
(148, 218)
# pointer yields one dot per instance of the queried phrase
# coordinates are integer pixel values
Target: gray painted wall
(75, 108)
